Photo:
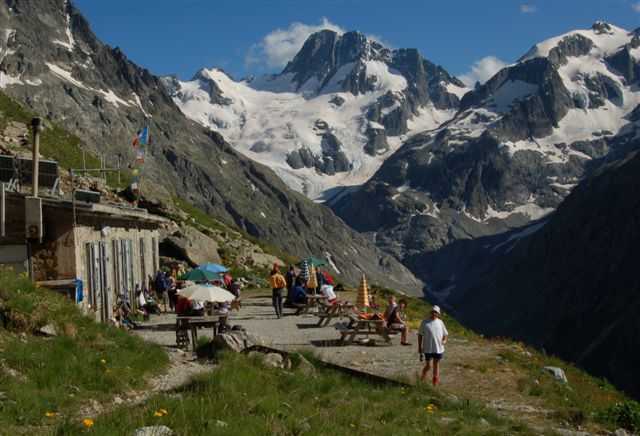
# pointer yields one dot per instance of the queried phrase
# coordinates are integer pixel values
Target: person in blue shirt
(299, 295)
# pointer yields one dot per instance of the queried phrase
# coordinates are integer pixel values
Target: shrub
(624, 414)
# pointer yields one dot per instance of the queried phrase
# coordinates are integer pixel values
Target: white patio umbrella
(212, 294)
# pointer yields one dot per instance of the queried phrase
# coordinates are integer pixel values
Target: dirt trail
(182, 368)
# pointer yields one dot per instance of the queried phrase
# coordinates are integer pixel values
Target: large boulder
(193, 246)
(235, 341)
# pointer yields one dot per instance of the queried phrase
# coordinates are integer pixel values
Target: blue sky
(252, 37)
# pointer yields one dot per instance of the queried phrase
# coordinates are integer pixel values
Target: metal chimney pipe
(36, 124)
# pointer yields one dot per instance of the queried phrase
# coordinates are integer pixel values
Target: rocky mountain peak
(514, 150)
(602, 27)
(325, 52)
(337, 109)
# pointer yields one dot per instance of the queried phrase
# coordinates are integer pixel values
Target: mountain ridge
(334, 113)
(569, 282)
(517, 146)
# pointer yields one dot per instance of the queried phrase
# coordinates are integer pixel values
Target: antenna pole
(36, 124)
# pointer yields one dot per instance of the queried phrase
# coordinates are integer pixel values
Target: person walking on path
(432, 337)
(278, 283)
(291, 281)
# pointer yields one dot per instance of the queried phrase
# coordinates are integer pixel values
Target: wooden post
(119, 163)
(36, 124)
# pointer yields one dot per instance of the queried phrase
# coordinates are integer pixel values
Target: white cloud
(280, 45)
(636, 6)
(482, 70)
(528, 8)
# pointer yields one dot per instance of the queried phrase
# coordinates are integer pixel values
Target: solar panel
(48, 172)
(7, 169)
(20, 168)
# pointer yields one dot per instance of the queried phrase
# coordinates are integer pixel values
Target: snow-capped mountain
(332, 116)
(514, 150)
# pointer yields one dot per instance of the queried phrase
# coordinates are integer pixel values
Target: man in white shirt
(327, 291)
(432, 337)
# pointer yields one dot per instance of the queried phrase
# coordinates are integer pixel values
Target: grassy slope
(62, 373)
(244, 398)
(586, 400)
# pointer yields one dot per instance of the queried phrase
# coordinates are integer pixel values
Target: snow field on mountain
(266, 123)
(606, 43)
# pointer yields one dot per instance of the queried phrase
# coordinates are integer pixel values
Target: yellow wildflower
(103, 361)
(50, 414)
(163, 411)
(158, 414)
(87, 422)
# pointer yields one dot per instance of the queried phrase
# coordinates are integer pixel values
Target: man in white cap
(432, 336)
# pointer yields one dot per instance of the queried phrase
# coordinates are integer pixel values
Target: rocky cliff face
(515, 149)
(570, 284)
(51, 62)
(332, 116)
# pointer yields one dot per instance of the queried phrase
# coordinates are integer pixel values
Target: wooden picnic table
(186, 324)
(364, 327)
(312, 302)
(330, 311)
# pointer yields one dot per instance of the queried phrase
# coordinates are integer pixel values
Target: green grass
(56, 375)
(243, 398)
(584, 399)
(55, 142)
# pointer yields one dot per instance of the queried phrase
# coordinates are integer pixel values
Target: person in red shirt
(227, 280)
(183, 305)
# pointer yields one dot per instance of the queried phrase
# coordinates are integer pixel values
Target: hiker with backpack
(432, 337)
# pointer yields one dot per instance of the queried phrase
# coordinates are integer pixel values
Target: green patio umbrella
(199, 275)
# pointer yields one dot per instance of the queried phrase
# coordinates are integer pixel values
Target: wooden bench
(186, 324)
(329, 311)
(364, 327)
(312, 302)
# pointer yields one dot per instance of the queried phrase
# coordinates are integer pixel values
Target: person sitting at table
(373, 304)
(235, 287)
(298, 294)
(394, 321)
(222, 309)
(197, 308)
(327, 291)
(183, 305)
